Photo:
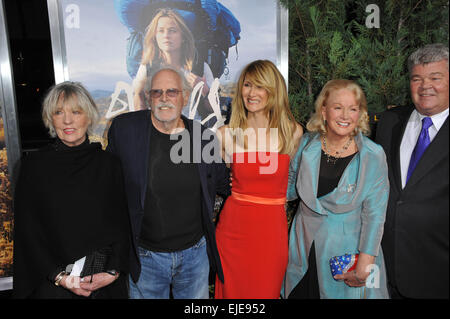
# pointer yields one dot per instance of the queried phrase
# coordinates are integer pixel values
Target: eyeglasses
(156, 93)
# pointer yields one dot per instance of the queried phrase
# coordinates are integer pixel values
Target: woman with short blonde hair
(317, 123)
(69, 204)
(341, 178)
(74, 94)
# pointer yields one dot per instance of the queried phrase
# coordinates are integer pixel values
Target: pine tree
(329, 39)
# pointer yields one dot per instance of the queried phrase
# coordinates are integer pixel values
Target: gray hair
(430, 53)
(69, 92)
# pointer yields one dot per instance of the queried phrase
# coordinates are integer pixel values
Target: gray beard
(155, 112)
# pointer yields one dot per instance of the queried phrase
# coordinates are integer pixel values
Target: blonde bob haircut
(316, 122)
(74, 94)
(264, 73)
(153, 53)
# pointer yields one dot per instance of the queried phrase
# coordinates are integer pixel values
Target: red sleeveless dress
(252, 232)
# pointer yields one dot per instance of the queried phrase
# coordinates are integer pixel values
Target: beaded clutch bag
(342, 264)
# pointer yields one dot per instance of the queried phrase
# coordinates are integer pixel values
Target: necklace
(333, 159)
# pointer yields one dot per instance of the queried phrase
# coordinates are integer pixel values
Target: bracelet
(59, 277)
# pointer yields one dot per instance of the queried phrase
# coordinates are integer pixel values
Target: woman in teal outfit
(341, 178)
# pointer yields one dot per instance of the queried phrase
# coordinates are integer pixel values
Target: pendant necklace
(333, 159)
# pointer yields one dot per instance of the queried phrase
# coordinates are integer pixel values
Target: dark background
(31, 57)
(32, 62)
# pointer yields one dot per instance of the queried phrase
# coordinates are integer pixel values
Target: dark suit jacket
(416, 235)
(129, 139)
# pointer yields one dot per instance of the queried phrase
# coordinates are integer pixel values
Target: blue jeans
(187, 271)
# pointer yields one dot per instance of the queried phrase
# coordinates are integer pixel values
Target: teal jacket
(350, 219)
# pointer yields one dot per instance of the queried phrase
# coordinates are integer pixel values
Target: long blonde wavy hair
(265, 74)
(151, 50)
(316, 122)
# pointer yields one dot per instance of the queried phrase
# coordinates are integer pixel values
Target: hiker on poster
(113, 47)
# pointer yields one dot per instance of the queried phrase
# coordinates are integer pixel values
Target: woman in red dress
(252, 232)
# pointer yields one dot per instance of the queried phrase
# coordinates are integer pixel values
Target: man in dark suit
(416, 234)
(171, 182)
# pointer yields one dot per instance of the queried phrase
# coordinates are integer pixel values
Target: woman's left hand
(352, 279)
(98, 281)
(357, 277)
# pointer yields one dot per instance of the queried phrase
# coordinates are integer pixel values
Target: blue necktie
(422, 143)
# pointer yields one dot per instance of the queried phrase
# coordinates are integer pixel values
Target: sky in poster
(96, 50)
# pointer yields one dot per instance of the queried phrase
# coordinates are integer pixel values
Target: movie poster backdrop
(113, 46)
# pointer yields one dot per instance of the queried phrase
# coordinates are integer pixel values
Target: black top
(129, 139)
(330, 174)
(172, 219)
(69, 202)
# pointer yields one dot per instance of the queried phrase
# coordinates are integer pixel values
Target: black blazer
(129, 139)
(416, 235)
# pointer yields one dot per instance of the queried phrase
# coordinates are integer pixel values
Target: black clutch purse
(96, 262)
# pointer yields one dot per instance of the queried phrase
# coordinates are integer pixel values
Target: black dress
(329, 175)
(68, 202)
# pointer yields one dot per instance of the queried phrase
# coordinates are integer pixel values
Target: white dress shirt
(411, 135)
